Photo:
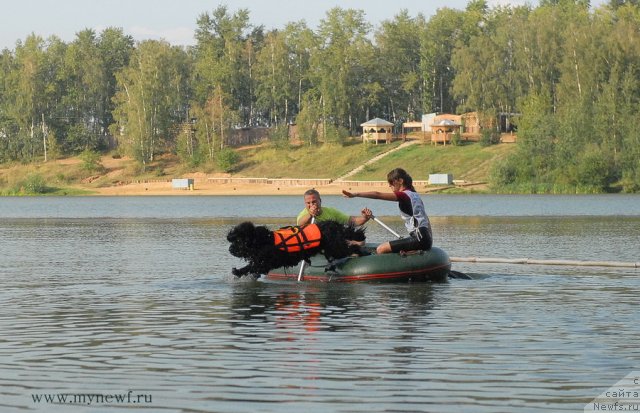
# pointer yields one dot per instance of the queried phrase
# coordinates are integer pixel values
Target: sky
(175, 20)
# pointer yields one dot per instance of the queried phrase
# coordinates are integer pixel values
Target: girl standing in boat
(411, 210)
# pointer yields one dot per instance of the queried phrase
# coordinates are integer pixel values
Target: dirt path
(374, 159)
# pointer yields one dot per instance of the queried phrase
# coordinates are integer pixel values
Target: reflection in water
(297, 313)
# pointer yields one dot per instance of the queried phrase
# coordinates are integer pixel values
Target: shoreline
(117, 177)
(225, 189)
(206, 188)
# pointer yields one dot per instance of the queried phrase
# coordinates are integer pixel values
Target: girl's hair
(400, 173)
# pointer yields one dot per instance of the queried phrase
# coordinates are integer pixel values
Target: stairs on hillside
(373, 160)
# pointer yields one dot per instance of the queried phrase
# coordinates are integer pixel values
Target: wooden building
(377, 129)
(443, 128)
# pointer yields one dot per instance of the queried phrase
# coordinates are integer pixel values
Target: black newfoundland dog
(265, 250)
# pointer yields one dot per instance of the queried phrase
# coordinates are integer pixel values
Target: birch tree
(398, 62)
(26, 91)
(274, 78)
(151, 99)
(339, 67)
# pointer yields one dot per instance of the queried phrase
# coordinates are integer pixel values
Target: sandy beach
(204, 187)
(113, 182)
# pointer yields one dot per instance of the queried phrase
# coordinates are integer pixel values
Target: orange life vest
(296, 239)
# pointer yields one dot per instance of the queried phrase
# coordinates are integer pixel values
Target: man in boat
(314, 209)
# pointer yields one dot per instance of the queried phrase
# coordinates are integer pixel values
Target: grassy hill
(324, 161)
(470, 161)
(72, 176)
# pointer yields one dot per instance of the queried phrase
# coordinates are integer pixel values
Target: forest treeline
(572, 73)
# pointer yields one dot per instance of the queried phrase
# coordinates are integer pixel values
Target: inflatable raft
(433, 265)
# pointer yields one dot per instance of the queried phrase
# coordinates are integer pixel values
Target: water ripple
(157, 313)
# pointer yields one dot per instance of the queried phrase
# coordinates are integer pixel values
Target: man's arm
(365, 216)
(304, 217)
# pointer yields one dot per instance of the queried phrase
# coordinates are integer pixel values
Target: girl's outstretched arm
(385, 196)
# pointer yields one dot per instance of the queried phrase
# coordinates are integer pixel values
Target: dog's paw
(333, 266)
(332, 269)
(242, 272)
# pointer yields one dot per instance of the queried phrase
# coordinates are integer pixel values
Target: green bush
(91, 161)
(336, 134)
(280, 137)
(629, 182)
(456, 139)
(34, 185)
(512, 170)
(594, 169)
(227, 159)
(504, 173)
(488, 138)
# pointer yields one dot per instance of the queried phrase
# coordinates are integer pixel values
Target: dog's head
(246, 238)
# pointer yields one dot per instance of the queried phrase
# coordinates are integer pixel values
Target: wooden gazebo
(377, 129)
(442, 129)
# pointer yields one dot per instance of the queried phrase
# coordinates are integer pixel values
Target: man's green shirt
(328, 214)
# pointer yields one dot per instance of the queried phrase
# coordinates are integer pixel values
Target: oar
(302, 264)
(386, 227)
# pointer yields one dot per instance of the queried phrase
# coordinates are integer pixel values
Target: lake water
(128, 303)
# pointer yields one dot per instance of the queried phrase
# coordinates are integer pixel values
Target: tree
(115, 50)
(282, 73)
(275, 82)
(208, 130)
(55, 119)
(447, 31)
(26, 87)
(309, 118)
(223, 46)
(218, 120)
(83, 100)
(9, 129)
(489, 79)
(151, 100)
(302, 42)
(398, 63)
(534, 158)
(340, 65)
